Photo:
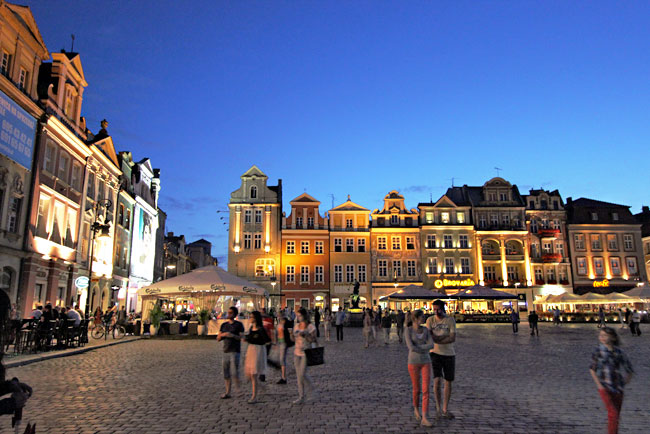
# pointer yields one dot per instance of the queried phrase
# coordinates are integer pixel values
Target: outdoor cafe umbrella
(479, 292)
(414, 292)
(640, 292)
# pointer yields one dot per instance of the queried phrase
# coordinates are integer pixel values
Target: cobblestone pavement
(505, 384)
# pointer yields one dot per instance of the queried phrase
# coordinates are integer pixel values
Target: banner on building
(17, 132)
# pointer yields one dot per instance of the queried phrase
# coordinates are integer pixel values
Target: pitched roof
(348, 205)
(305, 198)
(583, 201)
(582, 210)
(254, 171)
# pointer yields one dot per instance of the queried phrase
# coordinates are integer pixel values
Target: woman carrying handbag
(305, 334)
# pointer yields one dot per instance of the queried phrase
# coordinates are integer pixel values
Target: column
(52, 282)
(529, 280)
(479, 260)
(267, 230)
(504, 267)
(237, 228)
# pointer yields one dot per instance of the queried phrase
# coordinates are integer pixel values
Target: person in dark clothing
(317, 321)
(627, 316)
(514, 317)
(533, 318)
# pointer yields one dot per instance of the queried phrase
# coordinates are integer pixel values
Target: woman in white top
(304, 334)
(367, 326)
(327, 323)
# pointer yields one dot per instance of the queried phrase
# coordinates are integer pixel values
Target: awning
(413, 292)
(478, 292)
(640, 292)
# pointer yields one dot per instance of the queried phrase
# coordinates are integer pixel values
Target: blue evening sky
(362, 97)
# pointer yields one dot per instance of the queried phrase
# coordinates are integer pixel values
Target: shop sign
(444, 283)
(601, 283)
(81, 282)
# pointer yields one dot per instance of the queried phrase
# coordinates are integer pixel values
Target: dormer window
(5, 63)
(444, 217)
(254, 192)
(503, 197)
(492, 197)
(615, 216)
(594, 216)
(394, 219)
(22, 79)
(69, 103)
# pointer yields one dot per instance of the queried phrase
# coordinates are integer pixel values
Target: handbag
(315, 356)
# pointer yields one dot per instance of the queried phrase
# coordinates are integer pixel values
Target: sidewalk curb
(54, 355)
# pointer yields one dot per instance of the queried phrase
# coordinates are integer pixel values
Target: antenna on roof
(72, 45)
(498, 169)
(332, 196)
(430, 197)
(452, 181)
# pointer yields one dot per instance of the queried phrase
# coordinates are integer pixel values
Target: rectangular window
(533, 226)
(248, 216)
(559, 248)
(428, 217)
(348, 223)
(489, 273)
(48, 158)
(612, 242)
(349, 273)
(304, 247)
(310, 223)
(482, 222)
(582, 266)
(503, 197)
(120, 215)
(381, 243)
(23, 79)
(449, 266)
(394, 219)
(39, 294)
(382, 266)
(494, 220)
(594, 216)
(75, 181)
(460, 217)
(304, 274)
(258, 216)
(492, 197)
(615, 265)
(547, 248)
(579, 241)
(319, 274)
(599, 266)
(544, 223)
(338, 245)
(444, 217)
(463, 242)
(41, 222)
(349, 245)
(397, 268)
(291, 247)
(550, 275)
(15, 203)
(615, 216)
(361, 245)
(396, 243)
(299, 222)
(464, 266)
(5, 63)
(127, 220)
(361, 273)
(539, 276)
(247, 241)
(506, 220)
(410, 268)
(291, 274)
(318, 247)
(90, 192)
(448, 240)
(513, 273)
(556, 224)
(338, 273)
(257, 238)
(64, 164)
(410, 243)
(595, 242)
(432, 265)
(431, 241)
(632, 268)
(628, 242)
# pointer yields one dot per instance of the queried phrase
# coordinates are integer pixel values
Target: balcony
(551, 257)
(549, 233)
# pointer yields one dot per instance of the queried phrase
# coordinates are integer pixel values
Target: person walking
(327, 323)
(601, 317)
(620, 318)
(556, 316)
(628, 314)
(317, 321)
(304, 334)
(284, 341)
(419, 343)
(255, 364)
(533, 319)
(635, 322)
(611, 370)
(443, 356)
(514, 318)
(230, 333)
(340, 318)
(399, 324)
(367, 326)
(386, 324)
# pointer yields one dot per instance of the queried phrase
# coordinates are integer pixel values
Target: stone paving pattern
(505, 384)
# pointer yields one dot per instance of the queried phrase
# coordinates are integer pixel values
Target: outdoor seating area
(32, 336)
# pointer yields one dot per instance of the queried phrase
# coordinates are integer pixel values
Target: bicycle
(99, 331)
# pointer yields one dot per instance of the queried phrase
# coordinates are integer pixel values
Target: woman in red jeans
(419, 342)
(611, 371)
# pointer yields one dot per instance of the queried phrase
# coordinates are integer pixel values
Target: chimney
(569, 200)
(645, 209)
(170, 234)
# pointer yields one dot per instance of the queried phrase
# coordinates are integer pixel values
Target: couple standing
(431, 346)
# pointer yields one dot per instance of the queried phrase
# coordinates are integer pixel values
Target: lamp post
(105, 233)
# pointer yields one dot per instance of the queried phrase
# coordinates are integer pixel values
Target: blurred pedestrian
(635, 322)
(284, 341)
(327, 323)
(386, 324)
(304, 334)
(317, 321)
(514, 318)
(620, 318)
(367, 326)
(399, 323)
(601, 317)
(443, 355)
(340, 319)
(419, 343)
(533, 318)
(556, 316)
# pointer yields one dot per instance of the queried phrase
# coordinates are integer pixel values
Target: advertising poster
(143, 250)
(17, 132)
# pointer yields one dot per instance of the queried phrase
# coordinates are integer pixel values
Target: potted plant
(155, 316)
(204, 315)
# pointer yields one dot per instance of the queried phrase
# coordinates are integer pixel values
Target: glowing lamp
(267, 248)
(237, 249)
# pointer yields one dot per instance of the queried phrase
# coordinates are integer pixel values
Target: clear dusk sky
(363, 97)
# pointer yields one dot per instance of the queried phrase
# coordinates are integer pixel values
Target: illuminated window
(382, 266)
(291, 247)
(318, 247)
(428, 216)
(291, 274)
(464, 266)
(632, 268)
(582, 266)
(264, 267)
(338, 245)
(489, 273)
(396, 243)
(615, 265)
(432, 265)
(513, 273)
(349, 273)
(460, 217)
(361, 273)
(596, 243)
(628, 242)
(361, 245)
(304, 274)
(319, 274)
(444, 217)
(599, 266)
(547, 247)
(539, 276)
(381, 243)
(579, 241)
(304, 247)
(397, 268)
(612, 242)
(338, 273)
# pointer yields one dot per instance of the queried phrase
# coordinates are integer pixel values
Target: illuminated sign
(152, 290)
(441, 283)
(17, 132)
(601, 284)
(143, 247)
(81, 282)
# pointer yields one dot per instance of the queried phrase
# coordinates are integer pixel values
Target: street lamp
(95, 227)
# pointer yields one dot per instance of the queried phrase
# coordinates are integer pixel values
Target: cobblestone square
(504, 384)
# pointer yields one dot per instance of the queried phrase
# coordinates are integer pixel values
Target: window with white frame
(4, 63)
(503, 197)
(348, 223)
(545, 223)
(615, 265)
(394, 219)
(349, 273)
(547, 248)
(489, 273)
(361, 273)
(361, 245)
(257, 239)
(431, 241)
(494, 219)
(533, 225)
(304, 247)
(310, 223)
(460, 217)
(550, 275)
(596, 243)
(632, 267)
(338, 273)
(556, 224)
(482, 222)
(349, 245)
(432, 265)
(291, 274)
(506, 220)
(49, 158)
(599, 266)
(410, 243)
(15, 204)
(382, 267)
(559, 248)
(304, 274)
(612, 242)
(463, 241)
(381, 243)
(539, 275)
(449, 266)
(299, 222)
(579, 241)
(258, 215)
(464, 266)
(291, 247)
(23, 77)
(319, 274)
(75, 180)
(43, 210)
(582, 266)
(513, 273)
(338, 244)
(397, 268)
(248, 215)
(448, 241)
(247, 240)
(444, 217)
(64, 164)
(396, 243)
(428, 216)
(410, 268)
(628, 242)
(318, 247)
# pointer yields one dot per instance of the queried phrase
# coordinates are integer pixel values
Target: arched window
(254, 192)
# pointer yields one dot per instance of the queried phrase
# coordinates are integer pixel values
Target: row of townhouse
(528, 245)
